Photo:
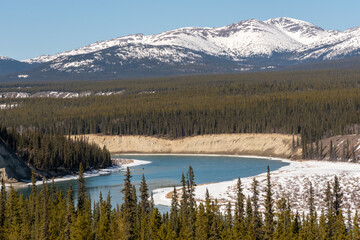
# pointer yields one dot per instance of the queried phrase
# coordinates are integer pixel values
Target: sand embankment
(275, 145)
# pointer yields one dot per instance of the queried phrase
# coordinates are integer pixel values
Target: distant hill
(11, 66)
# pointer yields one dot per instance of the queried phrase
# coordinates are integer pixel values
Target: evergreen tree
(70, 213)
(239, 224)
(144, 196)
(329, 213)
(339, 231)
(128, 207)
(202, 224)
(227, 232)
(191, 199)
(249, 219)
(239, 205)
(184, 205)
(269, 215)
(174, 214)
(82, 189)
(45, 218)
(103, 225)
(311, 201)
(337, 195)
(296, 225)
(256, 220)
(13, 216)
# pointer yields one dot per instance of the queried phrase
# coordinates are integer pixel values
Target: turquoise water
(166, 170)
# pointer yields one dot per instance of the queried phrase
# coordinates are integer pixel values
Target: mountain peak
(5, 58)
(302, 31)
(246, 45)
(287, 21)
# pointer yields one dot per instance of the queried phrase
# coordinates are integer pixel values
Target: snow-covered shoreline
(92, 173)
(290, 181)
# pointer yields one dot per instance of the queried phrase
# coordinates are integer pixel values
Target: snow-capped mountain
(247, 45)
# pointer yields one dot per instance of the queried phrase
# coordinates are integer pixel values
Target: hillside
(12, 168)
(275, 145)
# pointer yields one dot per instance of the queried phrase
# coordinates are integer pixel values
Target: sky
(30, 28)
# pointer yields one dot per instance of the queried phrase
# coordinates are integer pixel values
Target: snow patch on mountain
(5, 58)
(296, 40)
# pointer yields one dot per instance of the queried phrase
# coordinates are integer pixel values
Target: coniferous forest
(53, 214)
(314, 104)
(51, 152)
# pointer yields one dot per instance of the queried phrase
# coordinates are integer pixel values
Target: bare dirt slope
(275, 145)
(345, 147)
(12, 168)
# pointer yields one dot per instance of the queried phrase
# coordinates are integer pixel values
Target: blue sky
(29, 28)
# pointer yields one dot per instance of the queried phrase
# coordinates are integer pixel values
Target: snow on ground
(291, 181)
(8, 105)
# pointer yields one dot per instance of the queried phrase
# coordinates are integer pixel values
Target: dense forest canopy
(56, 153)
(314, 104)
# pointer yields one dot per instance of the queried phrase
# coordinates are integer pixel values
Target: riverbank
(118, 165)
(291, 182)
(268, 145)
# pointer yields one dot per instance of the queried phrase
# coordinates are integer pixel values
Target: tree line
(53, 152)
(315, 104)
(53, 214)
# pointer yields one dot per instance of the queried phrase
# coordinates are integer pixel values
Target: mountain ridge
(249, 45)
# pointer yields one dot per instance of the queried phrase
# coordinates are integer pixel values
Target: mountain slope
(9, 65)
(12, 168)
(250, 45)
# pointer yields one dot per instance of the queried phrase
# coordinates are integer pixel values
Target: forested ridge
(314, 104)
(49, 152)
(53, 214)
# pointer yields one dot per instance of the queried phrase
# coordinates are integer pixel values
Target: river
(166, 170)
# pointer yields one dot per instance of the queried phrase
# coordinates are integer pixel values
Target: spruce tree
(70, 213)
(269, 215)
(201, 224)
(191, 197)
(239, 204)
(82, 189)
(296, 225)
(249, 220)
(13, 216)
(144, 196)
(128, 206)
(339, 231)
(329, 213)
(103, 225)
(256, 220)
(311, 203)
(184, 205)
(174, 215)
(281, 229)
(45, 218)
(228, 223)
(239, 224)
(337, 196)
